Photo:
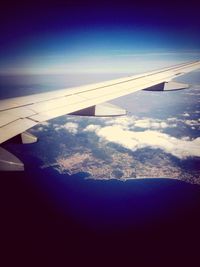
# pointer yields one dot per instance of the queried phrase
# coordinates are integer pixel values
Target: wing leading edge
(22, 113)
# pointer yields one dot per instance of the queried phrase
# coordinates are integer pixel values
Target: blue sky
(82, 37)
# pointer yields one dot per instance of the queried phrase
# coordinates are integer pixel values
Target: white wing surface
(21, 113)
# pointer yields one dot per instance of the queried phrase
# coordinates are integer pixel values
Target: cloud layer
(121, 134)
(136, 133)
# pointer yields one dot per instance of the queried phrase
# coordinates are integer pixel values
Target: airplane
(19, 114)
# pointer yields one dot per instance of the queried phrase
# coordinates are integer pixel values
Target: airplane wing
(22, 113)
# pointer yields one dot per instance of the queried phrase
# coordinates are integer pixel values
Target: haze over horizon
(49, 38)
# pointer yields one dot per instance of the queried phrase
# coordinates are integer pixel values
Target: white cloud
(149, 123)
(125, 121)
(57, 128)
(185, 138)
(40, 128)
(172, 119)
(91, 128)
(187, 122)
(45, 123)
(145, 123)
(71, 127)
(185, 114)
(180, 148)
(192, 122)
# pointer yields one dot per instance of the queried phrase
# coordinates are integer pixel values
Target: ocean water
(138, 220)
